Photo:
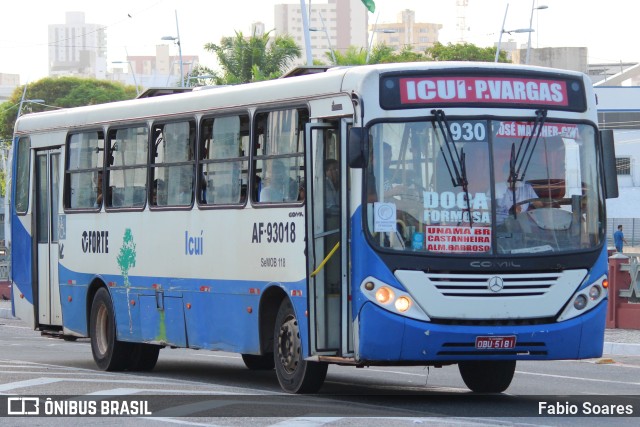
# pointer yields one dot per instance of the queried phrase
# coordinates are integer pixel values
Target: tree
(255, 58)
(201, 75)
(380, 54)
(60, 92)
(464, 52)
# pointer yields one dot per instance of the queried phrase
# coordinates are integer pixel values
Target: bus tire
(143, 357)
(487, 376)
(295, 374)
(108, 353)
(259, 362)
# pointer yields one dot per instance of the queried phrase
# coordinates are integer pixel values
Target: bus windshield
(484, 187)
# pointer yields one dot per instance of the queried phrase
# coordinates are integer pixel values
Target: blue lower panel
(74, 308)
(387, 337)
(223, 322)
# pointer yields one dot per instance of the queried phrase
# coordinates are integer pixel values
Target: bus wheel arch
(268, 310)
(91, 293)
(108, 353)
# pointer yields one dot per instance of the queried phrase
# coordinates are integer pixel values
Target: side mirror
(609, 164)
(357, 148)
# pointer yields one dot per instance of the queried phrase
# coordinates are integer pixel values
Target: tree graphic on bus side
(127, 255)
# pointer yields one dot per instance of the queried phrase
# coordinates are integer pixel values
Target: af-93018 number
(274, 232)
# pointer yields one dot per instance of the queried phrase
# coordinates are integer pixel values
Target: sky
(609, 29)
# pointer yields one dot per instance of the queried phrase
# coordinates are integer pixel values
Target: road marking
(309, 422)
(28, 383)
(578, 378)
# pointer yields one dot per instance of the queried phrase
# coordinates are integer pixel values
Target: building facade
(335, 25)
(161, 70)
(419, 36)
(8, 83)
(566, 58)
(77, 48)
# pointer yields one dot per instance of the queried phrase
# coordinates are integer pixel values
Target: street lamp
(533, 7)
(326, 33)
(28, 101)
(133, 73)
(381, 30)
(176, 40)
(502, 31)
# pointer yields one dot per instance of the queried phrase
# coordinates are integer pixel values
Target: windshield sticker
(525, 129)
(384, 217)
(457, 239)
(452, 207)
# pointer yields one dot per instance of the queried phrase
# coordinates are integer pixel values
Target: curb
(621, 349)
(5, 313)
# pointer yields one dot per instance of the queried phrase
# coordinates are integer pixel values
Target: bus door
(326, 216)
(47, 192)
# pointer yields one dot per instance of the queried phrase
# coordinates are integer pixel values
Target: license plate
(489, 343)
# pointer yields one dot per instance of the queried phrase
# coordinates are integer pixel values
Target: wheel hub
(289, 345)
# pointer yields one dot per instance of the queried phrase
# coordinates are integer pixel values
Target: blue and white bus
(403, 214)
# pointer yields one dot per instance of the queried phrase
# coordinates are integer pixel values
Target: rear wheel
(108, 353)
(143, 357)
(487, 376)
(295, 374)
(259, 362)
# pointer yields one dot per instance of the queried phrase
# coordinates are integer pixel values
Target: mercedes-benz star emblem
(495, 284)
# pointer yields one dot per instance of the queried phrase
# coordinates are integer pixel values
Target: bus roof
(292, 89)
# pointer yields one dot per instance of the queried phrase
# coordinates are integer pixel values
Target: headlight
(403, 304)
(585, 298)
(580, 302)
(384, 295)
(392, 299)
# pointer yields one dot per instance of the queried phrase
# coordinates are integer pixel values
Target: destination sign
(512, 92)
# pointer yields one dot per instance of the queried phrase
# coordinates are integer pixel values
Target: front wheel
(295, 374)
(487, 376)
(108, 353)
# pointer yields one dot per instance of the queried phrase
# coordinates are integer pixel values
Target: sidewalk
(623, 342)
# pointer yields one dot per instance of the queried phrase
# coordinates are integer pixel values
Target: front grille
(494, 322)
(476, 285)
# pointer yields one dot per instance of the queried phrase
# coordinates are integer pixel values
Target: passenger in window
(98, 184)
(279, 186)
(302, 191)
(185, 190)
(158, 193)
(332, 187)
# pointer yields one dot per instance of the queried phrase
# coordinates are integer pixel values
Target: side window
(279, 154)
(173, 163)
(127, 167)
(22, 175)
(84, 170)
(223, 160)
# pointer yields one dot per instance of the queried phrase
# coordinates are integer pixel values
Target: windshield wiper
(454, 161)
(519, 162)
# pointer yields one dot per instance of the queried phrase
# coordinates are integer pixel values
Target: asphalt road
(214, 388)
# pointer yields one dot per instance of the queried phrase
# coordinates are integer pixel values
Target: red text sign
(416, 90)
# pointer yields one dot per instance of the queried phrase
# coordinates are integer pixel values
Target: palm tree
(255, 58)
